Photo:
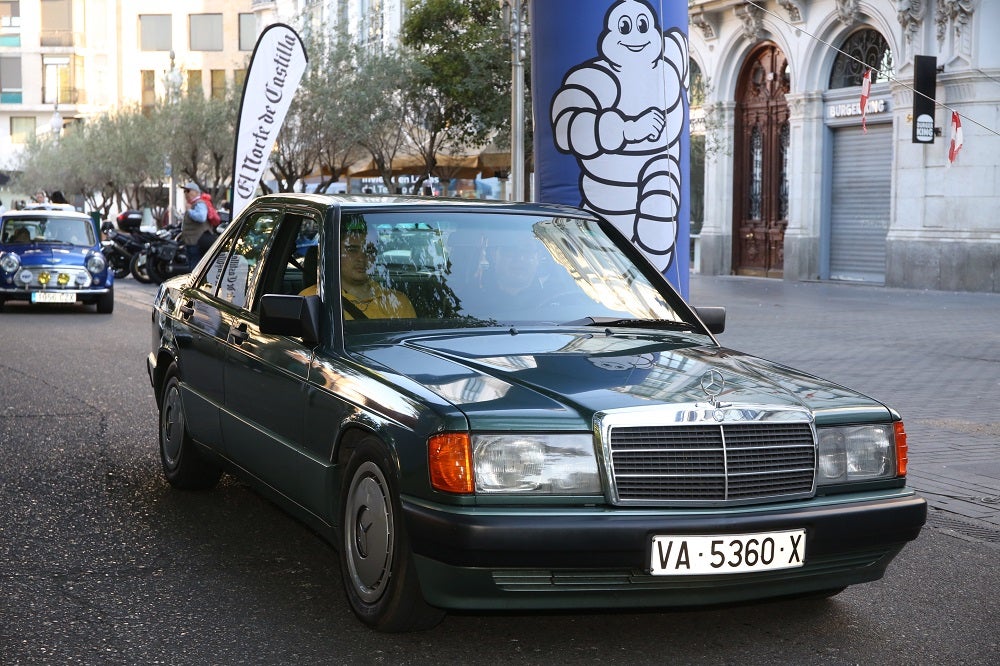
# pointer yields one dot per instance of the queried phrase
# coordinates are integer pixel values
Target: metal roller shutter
(859, 220)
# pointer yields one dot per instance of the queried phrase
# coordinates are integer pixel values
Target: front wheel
(106, 302)
(375, 559)
(183, 464)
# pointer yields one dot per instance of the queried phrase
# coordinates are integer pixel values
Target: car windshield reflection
(499, 269)
(49, 230)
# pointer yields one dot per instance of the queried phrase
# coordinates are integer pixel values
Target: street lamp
(173, 85)
(56, 123)
(515, 18)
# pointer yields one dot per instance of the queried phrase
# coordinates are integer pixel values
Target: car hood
(560, 378)
(47, 254)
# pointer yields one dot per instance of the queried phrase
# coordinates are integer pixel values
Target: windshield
(48, 229)
(487, 269)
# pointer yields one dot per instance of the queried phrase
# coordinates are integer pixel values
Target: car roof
(394, 201)
(40, 211)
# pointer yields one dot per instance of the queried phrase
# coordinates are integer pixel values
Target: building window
(194, 82)
(248, 32)
(21, 128)
(239, 78)
(56, 87)
(148, 90)
(10, 80)
(218, 83)
(57, 23)
(10, 14)
(206, 32)
(154, 32)
(864, 46)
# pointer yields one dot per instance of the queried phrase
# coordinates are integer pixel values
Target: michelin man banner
(276, 67)
(609, 83)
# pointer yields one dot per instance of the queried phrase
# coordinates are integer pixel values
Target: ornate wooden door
(760, 190)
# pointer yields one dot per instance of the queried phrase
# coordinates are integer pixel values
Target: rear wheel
(375, 559)
(183, 464)
(137, 267)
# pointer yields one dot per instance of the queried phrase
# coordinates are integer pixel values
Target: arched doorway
(760, 187)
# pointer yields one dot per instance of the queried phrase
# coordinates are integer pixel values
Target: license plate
(53, 297)
(727, 553)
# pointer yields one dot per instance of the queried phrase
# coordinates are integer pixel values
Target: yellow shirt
(384, 304)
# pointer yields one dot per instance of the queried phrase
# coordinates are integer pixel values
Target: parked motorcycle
(165, 255)
(124, 245)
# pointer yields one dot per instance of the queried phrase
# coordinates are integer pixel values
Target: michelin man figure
(621, 115)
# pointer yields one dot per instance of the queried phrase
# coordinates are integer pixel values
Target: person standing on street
(193, 224)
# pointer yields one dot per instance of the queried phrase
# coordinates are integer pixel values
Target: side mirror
(714, 318)
(295, 316)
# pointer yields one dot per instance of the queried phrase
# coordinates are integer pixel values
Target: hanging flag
(866, 89)
(956, 138)
(587, 80)
(276, 67)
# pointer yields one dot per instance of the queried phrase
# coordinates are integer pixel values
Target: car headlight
(523, 463)
(10, 262)
(860, 453)
(96, 263)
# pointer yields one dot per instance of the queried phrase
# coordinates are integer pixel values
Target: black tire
(375, 558)
(106, 302)
(137, 267)
(183, 464)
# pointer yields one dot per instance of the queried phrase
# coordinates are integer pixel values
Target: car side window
(235, 267)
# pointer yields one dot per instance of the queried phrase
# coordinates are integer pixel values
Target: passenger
(22, 235)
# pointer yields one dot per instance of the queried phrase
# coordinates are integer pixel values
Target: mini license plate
(53, 297)
(685, 555)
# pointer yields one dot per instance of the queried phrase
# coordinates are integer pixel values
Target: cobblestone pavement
(933, 356)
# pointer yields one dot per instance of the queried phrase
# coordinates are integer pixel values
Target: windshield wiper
(631, 323)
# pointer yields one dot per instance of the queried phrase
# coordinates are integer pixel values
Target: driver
(363, 297)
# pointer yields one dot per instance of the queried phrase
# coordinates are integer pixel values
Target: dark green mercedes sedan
(486, 405)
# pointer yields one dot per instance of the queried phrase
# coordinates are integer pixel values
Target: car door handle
(187, 309)
(238, 334)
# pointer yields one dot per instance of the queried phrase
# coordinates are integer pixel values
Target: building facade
(63, 61)
(799, 185)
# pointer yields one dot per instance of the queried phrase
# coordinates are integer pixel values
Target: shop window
(10, 80)
(194, 84)
(21, 127)
(148, 90)
(218, 83)
(866, 46)
(248, 32)
(205, 32)
(154, 32)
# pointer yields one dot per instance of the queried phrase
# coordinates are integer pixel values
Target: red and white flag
(956, 137)
(866, 89)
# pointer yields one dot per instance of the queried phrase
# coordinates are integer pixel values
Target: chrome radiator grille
(707, 463)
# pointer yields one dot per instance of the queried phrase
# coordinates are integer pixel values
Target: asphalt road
(102, 563)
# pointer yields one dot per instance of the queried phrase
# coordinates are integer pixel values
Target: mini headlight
(96, 263)
(10, 262)
(536, 464)
(82, 280)
(63, 279)
(856, 453)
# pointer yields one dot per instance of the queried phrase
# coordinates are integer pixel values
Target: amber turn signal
(901, 448)
(450, 462)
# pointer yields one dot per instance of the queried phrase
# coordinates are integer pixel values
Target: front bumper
(481, 558)
(84, 295)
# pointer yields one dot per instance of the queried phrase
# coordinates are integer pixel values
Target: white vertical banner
(276, 67)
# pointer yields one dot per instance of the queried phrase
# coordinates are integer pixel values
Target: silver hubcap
(171, 426)
(369, 532)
